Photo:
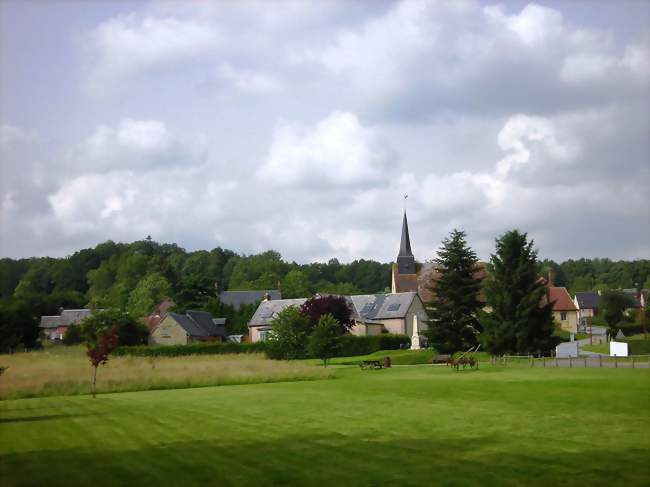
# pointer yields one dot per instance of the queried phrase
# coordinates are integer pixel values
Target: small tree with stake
(100, 342)
(325, 339)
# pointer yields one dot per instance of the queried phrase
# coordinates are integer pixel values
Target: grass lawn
(397, 427)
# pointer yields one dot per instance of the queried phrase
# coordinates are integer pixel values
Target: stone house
(588, 304)
(158, 313)
(565, 312)
(193, 326)
(372, 314)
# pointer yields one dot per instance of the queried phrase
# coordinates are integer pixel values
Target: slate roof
(382, 306)
(50, 321)
(267, 310)
(588, 300)
(198, 324)
(236, 299)
(634, 296)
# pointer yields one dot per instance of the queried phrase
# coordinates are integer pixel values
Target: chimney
(550, 277)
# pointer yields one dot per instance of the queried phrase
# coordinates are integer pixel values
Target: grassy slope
(638, 346)
(401, 426)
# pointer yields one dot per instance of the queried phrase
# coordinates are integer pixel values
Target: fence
(592, 361)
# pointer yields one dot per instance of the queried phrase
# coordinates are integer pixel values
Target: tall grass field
(66, 370)
(404, 426)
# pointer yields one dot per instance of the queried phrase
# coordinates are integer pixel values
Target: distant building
(237, 299)
(588, 304)
(56, 326)
(565, 312)
(193, 326)
(158, 313)
(372, 314)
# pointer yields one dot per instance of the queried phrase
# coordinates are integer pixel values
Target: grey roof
(67, 317)
(405, 243)
(50, 321)
(382, 306)
(634, 296)
(198, 324)
(588, 300)
(219, 321)
(267, 310)
(236, 299)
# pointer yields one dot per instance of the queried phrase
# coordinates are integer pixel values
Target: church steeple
(405, 258)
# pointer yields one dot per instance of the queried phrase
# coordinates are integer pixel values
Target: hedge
(638, 347)
(190, 349)
(363, 345)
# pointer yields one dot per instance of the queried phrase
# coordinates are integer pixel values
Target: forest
(135, 276)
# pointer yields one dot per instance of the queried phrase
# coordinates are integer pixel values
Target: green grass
(398, 357)
(598, 348)
(405, 426)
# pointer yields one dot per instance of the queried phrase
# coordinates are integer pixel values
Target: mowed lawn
(420, 425)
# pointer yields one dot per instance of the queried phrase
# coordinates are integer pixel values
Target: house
(193, 326)
(387, 313)
(636, 299)
(565, 312)
(588, 304)
(56, 326)
(237, 299)
(372, 314)
(158, 313)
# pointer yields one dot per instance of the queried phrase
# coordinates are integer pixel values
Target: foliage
(295, 285)
(613, 305)
(290, 334)
(149, 291)
(200, 348)
(101, 340)
(519, 320)
(18, 325)
(336, 306)
(352, 345)
(130, 331)
(236, 319)
(72, 335)
(454, 309)
(325, 338)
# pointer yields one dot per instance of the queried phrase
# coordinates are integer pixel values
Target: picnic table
(371, 364)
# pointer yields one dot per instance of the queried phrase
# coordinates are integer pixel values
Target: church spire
(405, 244)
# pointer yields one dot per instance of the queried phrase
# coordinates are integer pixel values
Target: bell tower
(405, 277)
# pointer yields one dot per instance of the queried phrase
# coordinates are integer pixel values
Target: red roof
(561, 299)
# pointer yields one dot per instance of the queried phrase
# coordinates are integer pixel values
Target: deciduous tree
(325, 339)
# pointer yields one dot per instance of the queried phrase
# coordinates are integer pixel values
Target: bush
(638, 347)
(628, 328)
(72, 335)
(363, 345)
(190, 349)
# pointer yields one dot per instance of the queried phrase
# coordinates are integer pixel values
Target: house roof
(267, 310)
(50, 321)
(219, 321)
(236, 299)
(588, 300)
(382, 306)
(561, 299)
(198, 324)
(634, 296)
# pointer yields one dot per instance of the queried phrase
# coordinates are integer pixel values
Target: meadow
(404, 426)
(66, 370)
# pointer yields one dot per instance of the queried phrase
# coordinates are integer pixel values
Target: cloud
(248, 81)
(337, 150)
(137, 144)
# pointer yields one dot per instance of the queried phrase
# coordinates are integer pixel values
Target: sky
(299, 126)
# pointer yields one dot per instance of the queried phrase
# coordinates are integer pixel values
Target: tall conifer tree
(520, 319)
(454, 309)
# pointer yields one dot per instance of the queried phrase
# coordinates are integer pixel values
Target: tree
(288, 340)
(455, 306)
(520, 319)
(337, 306)
(325, 340)
(101, 339)
(295, 285)
(149, 291)
(72, 335)
(613, 305)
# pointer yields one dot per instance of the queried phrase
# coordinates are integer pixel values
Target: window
(394, 306)
(166, 331)
(264, 335)
(563, 316)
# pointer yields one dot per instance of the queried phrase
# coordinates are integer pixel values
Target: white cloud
(248, 81)
(337, 150)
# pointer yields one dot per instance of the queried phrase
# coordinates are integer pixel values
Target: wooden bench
(441, 359)
(371, 364)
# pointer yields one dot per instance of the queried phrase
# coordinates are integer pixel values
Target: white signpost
(415, 339)
(618, 349)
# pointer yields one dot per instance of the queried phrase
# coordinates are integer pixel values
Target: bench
(441, 359)
(371, 364)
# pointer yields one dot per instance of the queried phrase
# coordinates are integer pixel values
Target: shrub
(638, 347)
(290, 335)
(324, 341)
(362, 345)
(189, 349)
(72, 335)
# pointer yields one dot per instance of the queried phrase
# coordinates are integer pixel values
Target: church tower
(405, 277)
